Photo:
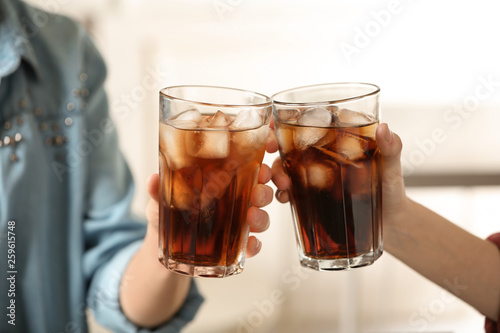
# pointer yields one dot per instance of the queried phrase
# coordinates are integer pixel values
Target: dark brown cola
(336, 187)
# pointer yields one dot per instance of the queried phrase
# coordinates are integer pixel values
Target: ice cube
(319, 117)
(348, 117)
(250, 140)
(320, 176)
(349, 148)
(254, 134)
(288, 115)
(219, 120)
(248, 118)
(213, 144)
(186, 188)
(308, 136)
(187, 119)
(173, 146)
(316, 121)
(213, 140)
(192, 115)
(352, 146)
(328, 140)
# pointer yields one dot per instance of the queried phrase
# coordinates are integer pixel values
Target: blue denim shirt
(66, 232)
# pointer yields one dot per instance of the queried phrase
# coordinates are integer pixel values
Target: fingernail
(388, 135)
(259, 244)
(278, 194)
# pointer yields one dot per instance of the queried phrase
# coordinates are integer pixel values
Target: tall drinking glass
(212, 142)
(326, 135)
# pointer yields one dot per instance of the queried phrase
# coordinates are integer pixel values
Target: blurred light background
(437, 63)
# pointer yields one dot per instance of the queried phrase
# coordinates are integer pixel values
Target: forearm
(150, 294)
(464, 264)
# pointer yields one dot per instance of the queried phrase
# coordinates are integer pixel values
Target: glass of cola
(326, 135)
(211, 145)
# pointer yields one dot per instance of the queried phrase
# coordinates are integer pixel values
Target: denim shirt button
(18, 137)
(58, 140)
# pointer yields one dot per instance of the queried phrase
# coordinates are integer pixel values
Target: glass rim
(376, 90)
(268, 102)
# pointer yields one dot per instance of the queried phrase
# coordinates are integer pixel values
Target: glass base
(341, 263)
(203, 271)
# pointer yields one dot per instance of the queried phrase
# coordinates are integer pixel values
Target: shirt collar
(16, 34)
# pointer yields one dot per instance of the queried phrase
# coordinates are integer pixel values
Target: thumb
(390, 146)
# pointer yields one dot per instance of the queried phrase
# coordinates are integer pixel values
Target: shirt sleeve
(490, 326)
(112, 234)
